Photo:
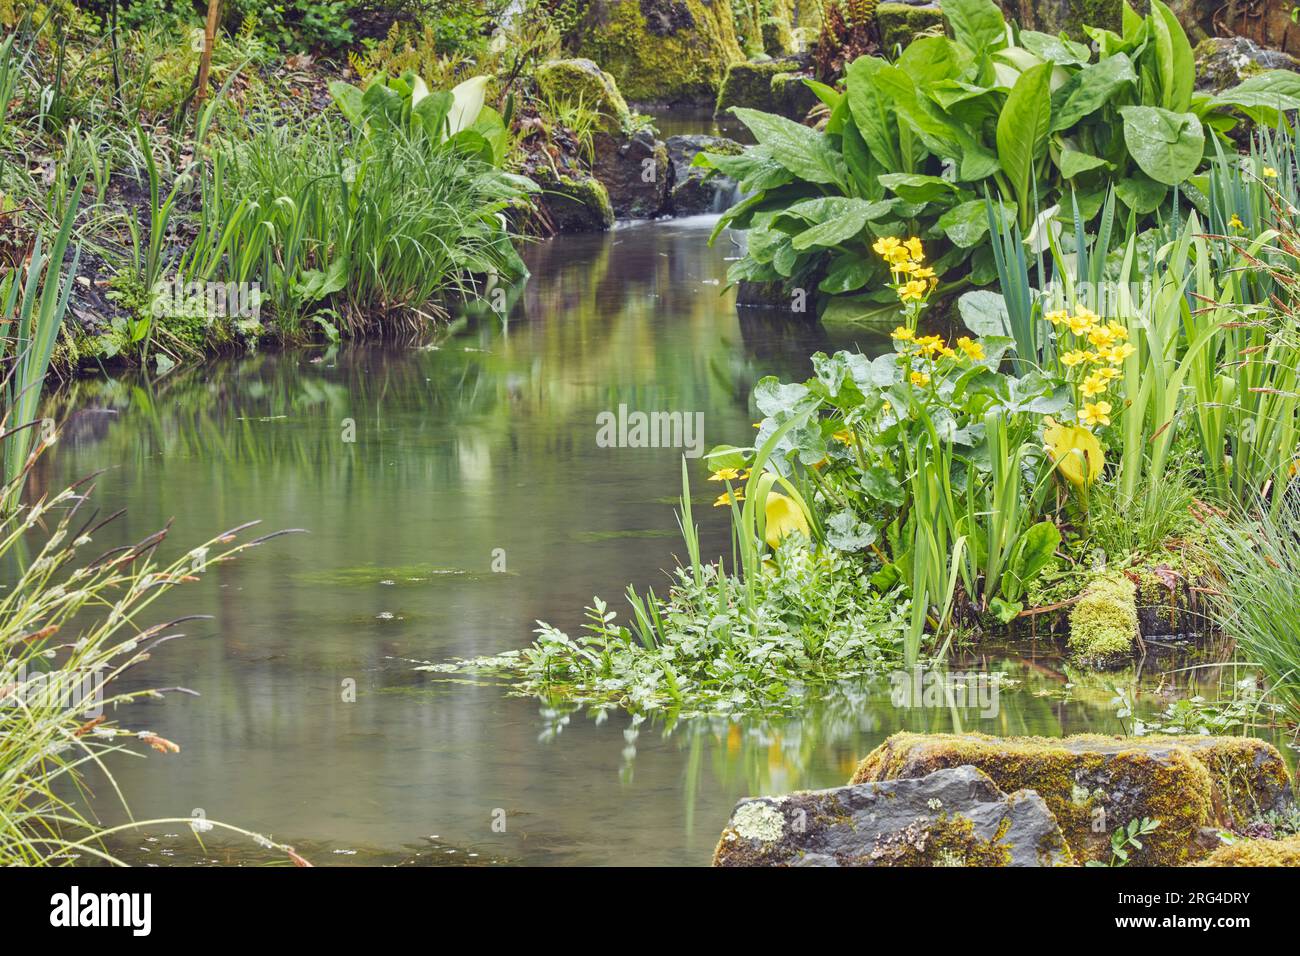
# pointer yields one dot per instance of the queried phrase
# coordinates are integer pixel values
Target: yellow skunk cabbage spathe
(783, 517)
(1075, 451)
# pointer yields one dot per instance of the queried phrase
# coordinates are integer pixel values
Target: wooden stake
(205, 60)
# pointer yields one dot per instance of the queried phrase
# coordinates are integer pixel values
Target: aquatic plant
(68, 631)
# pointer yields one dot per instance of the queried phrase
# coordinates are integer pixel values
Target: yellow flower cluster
(932, 348)
(1108, 350)
(729, 475)
(913, 281)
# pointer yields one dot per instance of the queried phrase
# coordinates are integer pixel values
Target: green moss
(900, 23)
(577, 205)
(791, 95)
(1094, 783)
(580, 81)
(685, 63)
(751, 85)
(1103, 624)
(946, 841)
(1257, 853)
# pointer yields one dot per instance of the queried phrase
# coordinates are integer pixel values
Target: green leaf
(801, 150)
(916, 187)
(1058, 50)
(1166, 146)
(976, 24)
(1090, 89)
(846, 532)
(967, 224)
(873, 112)
(1141, 194)
(1035, 551)
(1073, 162)
(984, 312)
(1174, 59)
(1005, 611)
(1023, 127)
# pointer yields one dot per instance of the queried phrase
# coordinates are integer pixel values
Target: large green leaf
(803, 151)
(1090, 89)
(976, 24)
(1174, 59)
(1262, 95)
(1166, 146)
(838, 220)
(1022, 130)
(467, 100)
(1072, 162)
(967, 224)
(873, 112)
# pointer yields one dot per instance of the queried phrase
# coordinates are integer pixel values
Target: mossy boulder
(1094, 784)
(1104, 622)
(634, 171)
(1256, 853)
(953, 817)
(575, 203)
(751, 85)
(694, 191)
(791, 96)
(900, 23)
(580, 81)
(1067, 16)
(1223, 62)
(661, 51)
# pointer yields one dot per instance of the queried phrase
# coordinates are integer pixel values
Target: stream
(472, 500)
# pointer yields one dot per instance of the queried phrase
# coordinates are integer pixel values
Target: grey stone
(1223, 62)
(694, 192)
(952, 817)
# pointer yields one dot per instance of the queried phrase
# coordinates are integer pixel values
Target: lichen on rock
(1256, 853)
(581, 81)
(1094, 784)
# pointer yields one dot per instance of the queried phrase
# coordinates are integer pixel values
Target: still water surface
(478, 447)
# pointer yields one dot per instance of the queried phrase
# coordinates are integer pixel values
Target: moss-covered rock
(574, 203)
(634, 170)
(1094, 784)
(693, 190)
(751, 84)
(661, 51)
(791, 96)
(900, 23)
(1068, 16)
(1256, 853)
(582, 81)
(1222, 62)
(953, 817)
(1104, 623)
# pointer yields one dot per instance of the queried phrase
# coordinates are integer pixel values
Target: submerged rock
(953, 817)
(1223, 62)
(1095, 784)
(661, 51)
(693, 194)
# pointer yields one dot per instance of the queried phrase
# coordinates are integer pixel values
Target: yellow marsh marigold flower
(1118, 331)
(1076, 357)
(1270, 172)
(919, 379)
(915, 249)
(903, 334)
(885, 247)
(1081, 322)
(1093, 385)
(1108, 374)
(1116, 354)
(971, 349)
(1095, 413)
(725, 474)
(913, 290)
(845, 436)
(727, 498)
(1235, 222)
(1101, 336)
(1057, 317)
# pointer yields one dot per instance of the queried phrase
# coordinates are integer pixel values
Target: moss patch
(1094, 784)
(662, 51)
(900, 23)
(750, 85)
(582, 81)
(1104, 624)
(1257, 853)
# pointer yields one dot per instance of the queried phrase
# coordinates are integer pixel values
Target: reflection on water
(473, 501)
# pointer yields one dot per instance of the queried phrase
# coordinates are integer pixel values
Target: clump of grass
(68, 630)
(1258, 562)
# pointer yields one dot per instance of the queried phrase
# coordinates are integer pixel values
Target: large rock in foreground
(954, 817)
(1095, 784)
